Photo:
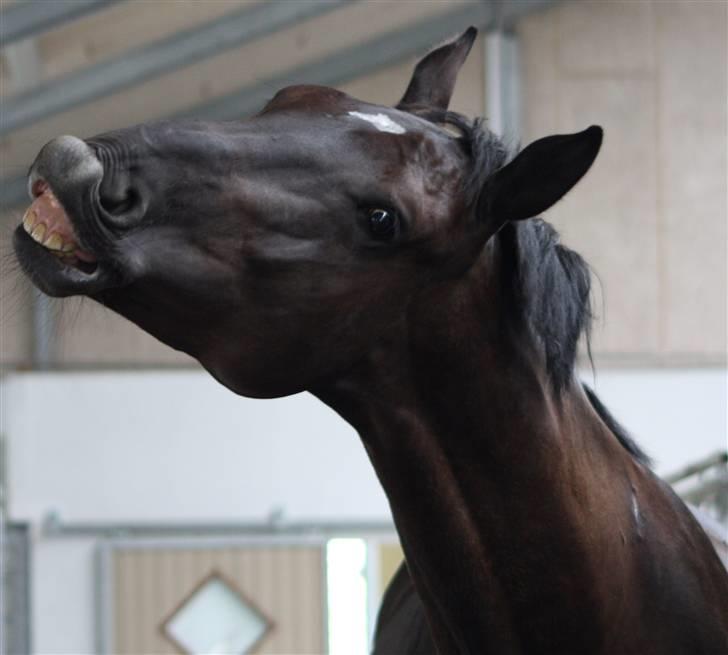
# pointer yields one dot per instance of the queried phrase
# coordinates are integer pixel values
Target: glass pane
(216, 619)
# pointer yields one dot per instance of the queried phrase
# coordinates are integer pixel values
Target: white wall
(62, 597)
(677, 415)
(178, 446)
(144, 446)
(163, 446)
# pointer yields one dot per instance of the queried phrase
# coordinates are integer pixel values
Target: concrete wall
(651, 215)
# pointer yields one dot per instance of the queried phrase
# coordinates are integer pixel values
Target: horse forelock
(486, 151)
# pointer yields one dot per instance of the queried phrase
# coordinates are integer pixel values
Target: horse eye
(382, 223)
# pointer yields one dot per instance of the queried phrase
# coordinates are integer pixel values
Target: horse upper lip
(48, 223)
(61, 235)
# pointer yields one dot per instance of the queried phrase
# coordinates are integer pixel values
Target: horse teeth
(38, 232)
(29, 220)
(69, 246)
(53, 242)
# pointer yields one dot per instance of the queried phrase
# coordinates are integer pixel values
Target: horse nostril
(120, 204)
(38, 187)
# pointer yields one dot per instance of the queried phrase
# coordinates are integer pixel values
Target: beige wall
(651, 215)
(390, 558)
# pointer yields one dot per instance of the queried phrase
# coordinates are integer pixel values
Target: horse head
(276, 250)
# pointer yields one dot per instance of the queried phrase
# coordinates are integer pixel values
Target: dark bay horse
(395, 269)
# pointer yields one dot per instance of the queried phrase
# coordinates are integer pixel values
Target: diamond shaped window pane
(216, 619)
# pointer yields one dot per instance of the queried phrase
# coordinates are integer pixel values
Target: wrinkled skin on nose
(252, 245)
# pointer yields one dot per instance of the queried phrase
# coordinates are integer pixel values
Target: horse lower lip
(56, 277)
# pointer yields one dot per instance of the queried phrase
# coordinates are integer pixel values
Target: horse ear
(434, 77)
(538, 176)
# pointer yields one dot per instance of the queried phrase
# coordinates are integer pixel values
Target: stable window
(216, 618)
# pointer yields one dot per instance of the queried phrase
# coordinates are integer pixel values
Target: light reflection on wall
(346, 561)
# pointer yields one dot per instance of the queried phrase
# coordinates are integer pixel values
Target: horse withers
(388, 261)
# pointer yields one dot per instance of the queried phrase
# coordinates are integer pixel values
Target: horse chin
(59, 277)
(251, 383)
(242, 386)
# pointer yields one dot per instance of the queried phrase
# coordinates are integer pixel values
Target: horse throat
(475, 451)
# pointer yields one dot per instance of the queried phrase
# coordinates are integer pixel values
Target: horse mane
(622, 435)
(549, 290)
(548, 286)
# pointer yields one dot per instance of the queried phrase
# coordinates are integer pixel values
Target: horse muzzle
(60, 240)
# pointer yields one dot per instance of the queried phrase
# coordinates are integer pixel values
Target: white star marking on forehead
(382, 122)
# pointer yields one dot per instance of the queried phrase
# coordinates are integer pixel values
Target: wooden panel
(286, 583)
(692, 126)
(610, 217)
(605, 38)
(537, 38)
(651, 215)
(390, 557)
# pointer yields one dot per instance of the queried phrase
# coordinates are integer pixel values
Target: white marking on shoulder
(638, 519)
(382, 122)
(635, 508)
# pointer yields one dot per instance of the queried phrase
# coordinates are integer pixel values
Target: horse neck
(487, 477)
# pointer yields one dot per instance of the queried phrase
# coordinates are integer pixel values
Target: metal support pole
(502, 85)
(24, 64)
(43, 328)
